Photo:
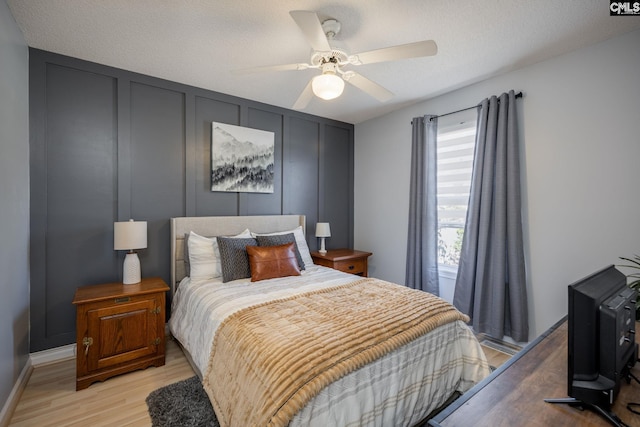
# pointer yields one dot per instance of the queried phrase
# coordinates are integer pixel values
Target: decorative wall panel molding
(109, 145)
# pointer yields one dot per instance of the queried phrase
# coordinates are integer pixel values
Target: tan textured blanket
(270, 359)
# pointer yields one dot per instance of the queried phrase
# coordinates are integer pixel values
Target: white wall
(580, 132)
(14, 202)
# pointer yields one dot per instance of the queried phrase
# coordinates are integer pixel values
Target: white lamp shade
(327, 86)
(129, 235)
(323, 229)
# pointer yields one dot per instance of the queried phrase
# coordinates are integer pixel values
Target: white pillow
(204, 256)
(303, 248)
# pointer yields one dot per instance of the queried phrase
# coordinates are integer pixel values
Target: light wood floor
(50, 397)
(495, 357)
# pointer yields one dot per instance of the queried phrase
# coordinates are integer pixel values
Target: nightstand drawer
(355, 266)
(121, 333)
(346, 260)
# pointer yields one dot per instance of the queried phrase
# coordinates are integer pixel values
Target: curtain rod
(518, 95)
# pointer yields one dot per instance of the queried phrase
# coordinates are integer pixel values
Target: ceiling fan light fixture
(327, 86)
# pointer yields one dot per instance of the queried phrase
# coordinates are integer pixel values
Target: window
(456, 143)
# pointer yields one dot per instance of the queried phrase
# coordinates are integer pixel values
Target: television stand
(608, 415)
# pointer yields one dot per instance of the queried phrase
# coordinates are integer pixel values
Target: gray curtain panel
(491, 284)
(422, 242)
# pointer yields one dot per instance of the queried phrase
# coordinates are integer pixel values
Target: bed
(301, 350)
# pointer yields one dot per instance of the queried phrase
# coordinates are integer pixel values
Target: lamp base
(131, 269)
(322, 250)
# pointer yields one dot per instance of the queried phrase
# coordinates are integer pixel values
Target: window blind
(455, 151)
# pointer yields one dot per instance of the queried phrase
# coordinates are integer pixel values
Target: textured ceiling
(200, 42)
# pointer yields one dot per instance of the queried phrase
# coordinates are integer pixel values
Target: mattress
(400, 389)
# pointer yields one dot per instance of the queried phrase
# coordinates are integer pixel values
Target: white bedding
(400, 389)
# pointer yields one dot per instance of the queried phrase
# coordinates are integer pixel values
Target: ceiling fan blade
(312, 29)
(285, 67)
(393, 53)
(304, 98)
(368, 86)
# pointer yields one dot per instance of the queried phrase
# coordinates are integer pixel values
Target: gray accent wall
(108, 145)
(14, 203)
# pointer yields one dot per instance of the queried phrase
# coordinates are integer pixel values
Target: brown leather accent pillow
(268, 262)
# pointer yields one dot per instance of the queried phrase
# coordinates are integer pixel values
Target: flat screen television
(601, 340)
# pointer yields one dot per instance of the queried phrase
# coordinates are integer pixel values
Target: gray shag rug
(182, 404)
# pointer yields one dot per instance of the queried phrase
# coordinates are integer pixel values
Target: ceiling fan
(330, 57)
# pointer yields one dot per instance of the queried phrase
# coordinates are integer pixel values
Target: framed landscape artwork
(242, 159)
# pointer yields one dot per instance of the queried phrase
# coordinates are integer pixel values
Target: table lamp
(127, 236)
(322, 231)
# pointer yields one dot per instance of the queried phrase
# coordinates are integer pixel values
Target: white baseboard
(53, 355)
(12, 401)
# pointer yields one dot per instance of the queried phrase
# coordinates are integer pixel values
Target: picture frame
(242, 159)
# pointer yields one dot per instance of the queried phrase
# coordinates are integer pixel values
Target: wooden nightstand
(119, 328)
(347, 260)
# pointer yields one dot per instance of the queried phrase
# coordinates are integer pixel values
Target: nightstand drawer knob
(121, 300)
(86, 342)
(351, 267)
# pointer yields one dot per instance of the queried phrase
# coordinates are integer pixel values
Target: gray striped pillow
(234, 260)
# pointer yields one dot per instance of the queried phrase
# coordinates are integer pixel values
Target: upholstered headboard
(221, 226)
